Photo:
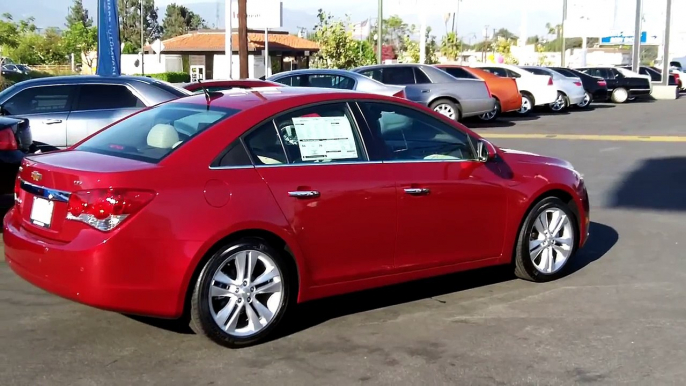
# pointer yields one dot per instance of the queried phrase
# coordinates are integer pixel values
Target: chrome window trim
(319, 164)
(232, 167)
(43, 192)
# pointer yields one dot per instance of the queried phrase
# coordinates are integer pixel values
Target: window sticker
(325, 138)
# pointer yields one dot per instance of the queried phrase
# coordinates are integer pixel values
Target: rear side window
(398, 75)
(421, 76)
(38, 100)
(331, 81)
(153, 134)
(537, 71)
(458, 72)
(287, 81)
(566, 73)
(106, 97)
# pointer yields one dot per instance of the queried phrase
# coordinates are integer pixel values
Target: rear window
(155, 133)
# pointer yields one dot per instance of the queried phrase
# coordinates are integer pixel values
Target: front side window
(106, 97)
(38, 100)
(537, 71)
(374, 74)
(398, 75)
(317, 134)
(286, 81)
(153, 134)
(410, 135)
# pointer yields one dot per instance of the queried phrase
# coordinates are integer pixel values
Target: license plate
(41, 212)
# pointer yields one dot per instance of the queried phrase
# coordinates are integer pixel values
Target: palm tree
(450, 46)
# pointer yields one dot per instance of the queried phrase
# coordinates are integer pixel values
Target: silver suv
(64, 110)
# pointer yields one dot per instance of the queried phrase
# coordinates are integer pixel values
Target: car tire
(447, 108)
(532, 259)
(586, 103)
(491, 116)
(560, 104)
(527, 104)
(619, 95)
(252, 300)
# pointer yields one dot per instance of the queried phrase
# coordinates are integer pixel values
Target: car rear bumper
(640, 92)
(545, 96)
(513, 103)
(600, 95)
(576, 99)
(100, 272)
(473, 107)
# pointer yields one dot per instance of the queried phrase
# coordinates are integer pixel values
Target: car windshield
(155, 133)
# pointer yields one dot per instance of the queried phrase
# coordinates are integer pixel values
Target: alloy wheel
(551, 241)
(586, 101)
(245, 293)
(526, 106)
(445, 109)
(559, 103)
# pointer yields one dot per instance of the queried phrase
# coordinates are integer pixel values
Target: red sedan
(235, 207)
(221, 85)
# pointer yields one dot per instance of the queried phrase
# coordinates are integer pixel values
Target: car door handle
(52, 121)
(426, 91)
(416, 191)
(304, 193)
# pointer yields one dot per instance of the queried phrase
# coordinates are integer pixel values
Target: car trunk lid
(45, 184)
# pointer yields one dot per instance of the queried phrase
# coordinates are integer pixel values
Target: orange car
(504, 90)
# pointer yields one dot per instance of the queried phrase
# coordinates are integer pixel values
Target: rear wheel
(586, 101)
(446, 107)
(242, 294)
(620, 95)
(546, 242)
(492, 115)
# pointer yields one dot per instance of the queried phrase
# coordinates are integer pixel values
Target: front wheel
(527, 105)
(546, 242)
(560, 103)
(586, 101)
(242, 294)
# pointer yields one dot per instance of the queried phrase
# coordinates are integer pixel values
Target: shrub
(171, 77)
(16, 77)
(5, 83)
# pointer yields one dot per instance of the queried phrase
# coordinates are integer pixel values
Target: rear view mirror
(485, 151)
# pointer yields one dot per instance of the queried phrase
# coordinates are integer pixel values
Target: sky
(472, 17)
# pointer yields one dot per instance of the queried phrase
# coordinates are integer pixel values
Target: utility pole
(665, 53)
(636, 57)
(228, 34)
(562, 33)
(142, 41)
(379, 38)
(243, 38)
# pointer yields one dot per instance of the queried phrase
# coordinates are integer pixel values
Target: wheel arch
(557, 192)
(271, 237)
(447, 97)
(529, 95)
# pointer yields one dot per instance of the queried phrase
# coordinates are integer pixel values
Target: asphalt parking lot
(618, 318)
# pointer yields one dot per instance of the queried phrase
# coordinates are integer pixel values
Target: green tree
(130, 22)
(81, 40)
(337, 47)
(179, 20)
(451, 46)
(506, 34)
(411, 52)
(78, 15)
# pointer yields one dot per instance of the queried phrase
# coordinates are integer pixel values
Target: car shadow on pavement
(479, 124)
(593, 107)
(657, 184)
(313, 313)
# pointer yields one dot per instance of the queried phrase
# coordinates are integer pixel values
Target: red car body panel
(363, 231)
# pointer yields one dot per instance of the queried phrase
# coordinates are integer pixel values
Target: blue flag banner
(109, 51)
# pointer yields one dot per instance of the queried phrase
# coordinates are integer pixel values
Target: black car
(596, 88)
(15, 143)
(654, 75)
(622, 84)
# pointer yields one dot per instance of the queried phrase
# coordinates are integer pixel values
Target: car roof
(82, 79)
(375, 66)
(333, 71)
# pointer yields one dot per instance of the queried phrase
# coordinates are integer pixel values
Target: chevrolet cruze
(230, 207)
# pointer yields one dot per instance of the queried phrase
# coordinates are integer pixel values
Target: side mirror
(485, 151)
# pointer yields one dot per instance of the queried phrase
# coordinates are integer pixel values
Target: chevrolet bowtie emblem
(36, 176)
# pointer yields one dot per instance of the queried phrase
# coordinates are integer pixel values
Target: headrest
(163, 136)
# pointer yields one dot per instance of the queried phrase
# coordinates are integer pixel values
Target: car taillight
(17, 190)
(676, 77)
(550, 81)
(602, 82)
(400, 94)
(578, 83)
(7, 140)
(104, 209)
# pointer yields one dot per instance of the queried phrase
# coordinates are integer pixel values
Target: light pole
(636, 59)
(562, 33)
(142, 41)
(379, 38)
(665, 53)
